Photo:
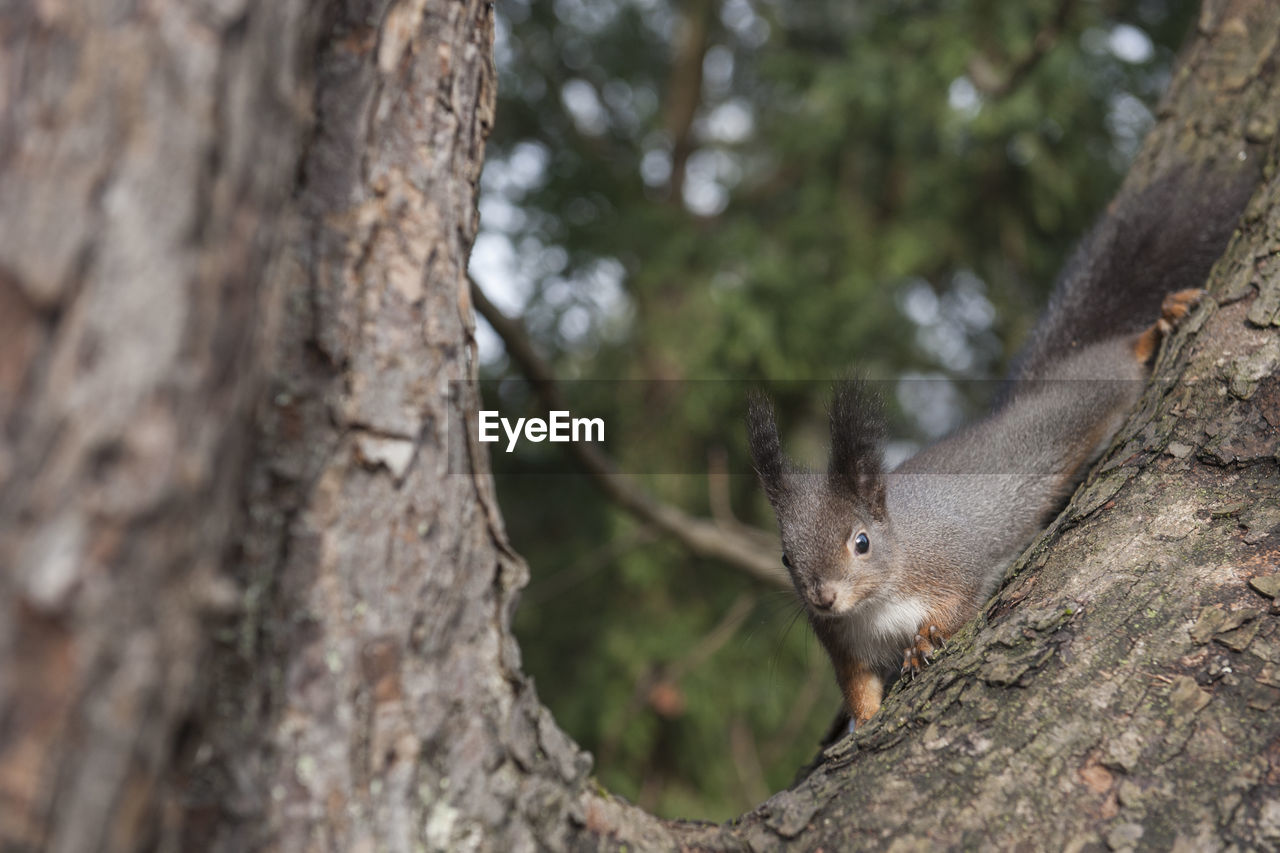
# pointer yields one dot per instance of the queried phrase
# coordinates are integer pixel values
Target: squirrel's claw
(910, 663)
(928, 641)
(923, 647)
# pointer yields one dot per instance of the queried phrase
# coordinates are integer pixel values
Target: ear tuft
(766, 449)
(857, 429)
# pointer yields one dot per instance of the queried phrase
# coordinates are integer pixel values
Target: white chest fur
(879, 630)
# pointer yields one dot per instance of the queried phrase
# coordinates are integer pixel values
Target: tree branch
(997, 83)
(658, 685)
(739, 546)
(684, 89)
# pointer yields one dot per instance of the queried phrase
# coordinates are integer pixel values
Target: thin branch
(997, 83)
(556, 583)
(718, 486)
(684, 87)
(715, 638)
(746, 762)
(742, 547)
(658, 686)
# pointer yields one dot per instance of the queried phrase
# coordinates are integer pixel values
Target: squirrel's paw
(929, 640)
(1178, 305)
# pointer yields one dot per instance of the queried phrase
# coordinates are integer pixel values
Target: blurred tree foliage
(767, 190)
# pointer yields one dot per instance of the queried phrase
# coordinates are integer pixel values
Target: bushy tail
(1162, 239)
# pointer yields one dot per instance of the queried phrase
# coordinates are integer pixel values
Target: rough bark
(373, 699)
(143, 152)
(368, 694)
(1121, 688)
(392, 712)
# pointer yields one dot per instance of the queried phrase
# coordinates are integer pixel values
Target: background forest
(730, 190)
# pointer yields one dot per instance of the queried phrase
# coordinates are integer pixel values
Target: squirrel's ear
(857, 426)
(766, 449)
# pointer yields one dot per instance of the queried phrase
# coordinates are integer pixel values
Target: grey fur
(943, 527)
(950, 519)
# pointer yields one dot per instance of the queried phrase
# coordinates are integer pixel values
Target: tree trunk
(1121, 687)
(374, 699)
(366, 693)
(143, 156)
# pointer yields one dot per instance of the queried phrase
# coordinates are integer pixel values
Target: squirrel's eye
(861, 543)
(786, 561)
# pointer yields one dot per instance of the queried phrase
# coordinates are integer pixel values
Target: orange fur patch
(1146, 344)
(1175, 307)
(863, 690)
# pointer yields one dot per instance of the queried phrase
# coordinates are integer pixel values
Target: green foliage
(889, 185)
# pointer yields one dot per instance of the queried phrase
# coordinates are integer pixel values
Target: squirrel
(888, 565)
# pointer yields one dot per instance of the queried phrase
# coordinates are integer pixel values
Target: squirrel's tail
(1164, 238)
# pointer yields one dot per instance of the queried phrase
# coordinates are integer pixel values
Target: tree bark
(143, 154)
(1121, 689)
(366, 693)
(373, 699)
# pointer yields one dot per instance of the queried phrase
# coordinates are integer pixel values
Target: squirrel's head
(836, 536)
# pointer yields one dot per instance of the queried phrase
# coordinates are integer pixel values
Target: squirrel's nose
(824, 596)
